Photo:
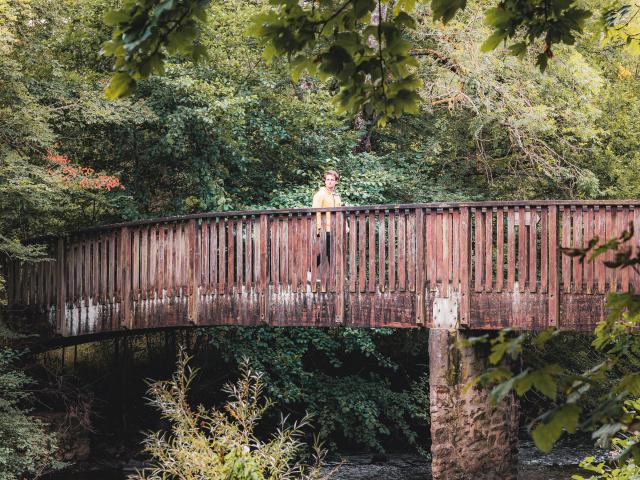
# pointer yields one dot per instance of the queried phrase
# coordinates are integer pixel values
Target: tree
(361, 44)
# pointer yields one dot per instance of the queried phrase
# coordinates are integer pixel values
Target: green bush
(221, 443)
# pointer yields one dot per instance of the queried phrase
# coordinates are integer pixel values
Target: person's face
(330, 181)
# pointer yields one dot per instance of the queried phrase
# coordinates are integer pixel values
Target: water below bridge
(557, 465)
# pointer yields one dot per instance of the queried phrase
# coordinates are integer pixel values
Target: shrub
(221, 443)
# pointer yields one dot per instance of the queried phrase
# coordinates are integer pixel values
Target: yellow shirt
(323, 198)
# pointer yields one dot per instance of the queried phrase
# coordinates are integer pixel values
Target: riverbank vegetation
(233, 132)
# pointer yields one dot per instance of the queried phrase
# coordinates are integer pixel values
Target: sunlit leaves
(552, 21)
(144, 32)
(622, 26)
(358, 43)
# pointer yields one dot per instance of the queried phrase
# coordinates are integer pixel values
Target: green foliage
(361, 44)
(350, 380)
(616, 339)
(27, 447)
(143, 31)
(222, 443)
(626, 467)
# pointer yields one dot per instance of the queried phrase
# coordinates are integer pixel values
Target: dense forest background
(235, 133)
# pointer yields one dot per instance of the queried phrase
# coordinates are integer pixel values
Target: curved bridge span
(447, 265)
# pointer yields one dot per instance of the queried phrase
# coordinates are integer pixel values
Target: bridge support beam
(471, 439)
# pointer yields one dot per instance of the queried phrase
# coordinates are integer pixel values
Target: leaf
(121, 85)
(492, 42)
(115, 17)
(501, 390)
(548, 431)
(445, 10)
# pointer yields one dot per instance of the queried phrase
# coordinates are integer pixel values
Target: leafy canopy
(361, 44)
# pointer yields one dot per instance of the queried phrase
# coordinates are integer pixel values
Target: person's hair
(331, 172)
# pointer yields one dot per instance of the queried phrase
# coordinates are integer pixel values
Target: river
(558, 465)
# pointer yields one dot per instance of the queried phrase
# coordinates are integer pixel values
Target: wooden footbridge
(470, 265)
(450, 267)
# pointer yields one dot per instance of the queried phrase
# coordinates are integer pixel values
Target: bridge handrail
(397, 264)
(350, 208)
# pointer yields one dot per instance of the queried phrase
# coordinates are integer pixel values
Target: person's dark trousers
(328, 250)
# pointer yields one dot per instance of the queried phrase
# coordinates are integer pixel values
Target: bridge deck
(481, 265)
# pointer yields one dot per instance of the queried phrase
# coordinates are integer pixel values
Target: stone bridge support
(472, 439)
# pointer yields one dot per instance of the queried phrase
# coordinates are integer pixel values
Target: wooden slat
(382, 247)
(465, 266)
(624, 272)
(205, 239)
(86, 271)
(324, 261)
(112, 263)
(256, 252)
(160, 274)
(479, 246)
(333, 264)
(587, 266)
(284, 251)
(431, 248)
(488, 251)
(577, 243)
(214, 251)
(353, 274)
(338, 231)
(264, 274)
(362, 252)
(419, 262)
(239, 225)
(61, 294)
(248, 250)
(635, 278)
(391, 234)
(499, 249)
(533, 250)
(402, 250)
(372, 252)
(95, 269)
(446, 252)
(301, 249)
(438, 227)
(145, 260)
(455, 247)
(231, 252)
(222, 256)
(294, 252)
(125, 277)
(411, 250)
(554, 274)
(522, 249)
(566, 243)
(600, 232)
(169, 250)
(79, 282)
(610, 234)
(135, 263)
(153, 261)
(195, 266)
(314, 246)
(511, 249)
(176, 259)
(544, 250)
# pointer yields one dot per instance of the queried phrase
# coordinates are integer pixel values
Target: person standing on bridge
(326, 197)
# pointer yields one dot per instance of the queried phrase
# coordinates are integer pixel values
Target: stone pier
(472, 439)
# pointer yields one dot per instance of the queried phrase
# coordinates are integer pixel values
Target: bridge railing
(477, 265)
